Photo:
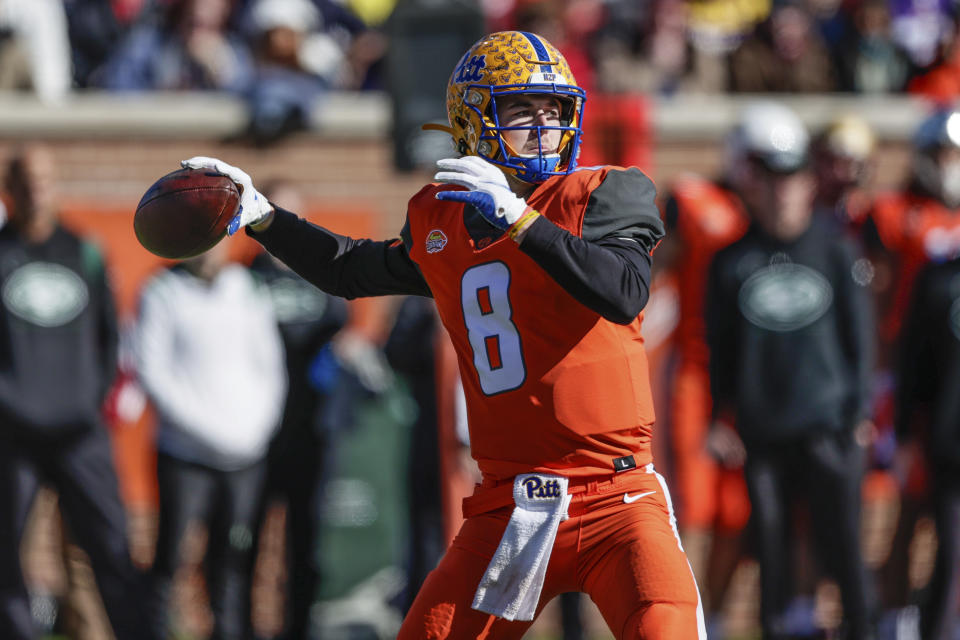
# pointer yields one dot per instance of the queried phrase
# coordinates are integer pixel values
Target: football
(186, 212)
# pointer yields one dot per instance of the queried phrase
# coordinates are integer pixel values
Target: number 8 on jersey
(497, 353)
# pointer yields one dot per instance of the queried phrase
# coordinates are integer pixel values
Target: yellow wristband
(521, 224)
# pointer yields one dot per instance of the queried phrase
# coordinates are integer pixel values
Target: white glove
(254, 207)
(488, 191)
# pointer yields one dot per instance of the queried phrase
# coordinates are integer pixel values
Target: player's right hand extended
(488, 189)
(254, 208)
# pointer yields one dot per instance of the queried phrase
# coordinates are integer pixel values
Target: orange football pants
(626, 556)
(709, 496)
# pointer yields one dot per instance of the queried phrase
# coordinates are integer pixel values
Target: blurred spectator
(907, 229)
(785, 54)
(843, 166)
(636, 52)
(295, 64)
(298, 459)
(702, 217)
(35, 48)
(186, 47)
(869, 60)
(667, 54)
(940, 82)
(793, 372)
(832, 20)
(299, 56)
(568, 25)
(921, 28)
(58, 360)
(211, 360)
(357, 27)
(96, 27)
(927, 417)
(717, 29)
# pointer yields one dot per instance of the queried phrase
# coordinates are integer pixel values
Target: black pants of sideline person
(826, 470)
(228, 503)
(298, 471)
(80, 467)
(938, 615)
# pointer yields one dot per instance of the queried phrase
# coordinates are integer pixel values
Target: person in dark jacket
(790, 333)
(928, 416)
(411, 351)
(298, 461)
(58, 348)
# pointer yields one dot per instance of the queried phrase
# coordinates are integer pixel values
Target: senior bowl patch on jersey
(785, 297)
(436, 241)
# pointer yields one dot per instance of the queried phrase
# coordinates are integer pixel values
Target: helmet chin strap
(539, 165)
(532, 168)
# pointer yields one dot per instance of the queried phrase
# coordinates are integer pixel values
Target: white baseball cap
(299, 15)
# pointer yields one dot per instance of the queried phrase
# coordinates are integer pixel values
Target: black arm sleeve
(608, 268)
(610, 276)
(341, 265)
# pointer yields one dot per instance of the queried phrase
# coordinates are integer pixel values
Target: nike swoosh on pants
(629, 498)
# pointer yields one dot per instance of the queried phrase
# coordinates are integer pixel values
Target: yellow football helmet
(507, 63)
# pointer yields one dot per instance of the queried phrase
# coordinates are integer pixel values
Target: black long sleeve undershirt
(342, 266)
(610, 276)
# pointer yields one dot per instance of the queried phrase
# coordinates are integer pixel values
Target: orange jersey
(915, 230)
(709, 217)
(551, 386)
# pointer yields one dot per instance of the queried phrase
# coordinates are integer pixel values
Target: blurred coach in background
(219, 397)
(58, 347)
(790, 331)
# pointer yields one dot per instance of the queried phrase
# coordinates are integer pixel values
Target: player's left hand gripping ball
(488, 191)
(254, 207)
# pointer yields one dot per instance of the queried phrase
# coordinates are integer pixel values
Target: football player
(540, 272)
(843, 162)
(906, 230)
(927, 407)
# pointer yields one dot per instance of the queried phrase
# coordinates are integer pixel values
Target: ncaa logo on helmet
(436, 241)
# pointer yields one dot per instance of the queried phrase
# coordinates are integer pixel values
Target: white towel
(511, 586)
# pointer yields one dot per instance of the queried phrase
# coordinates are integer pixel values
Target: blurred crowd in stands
(282, 55)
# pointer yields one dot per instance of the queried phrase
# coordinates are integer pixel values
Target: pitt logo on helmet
(510, 63)
(469, 70)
